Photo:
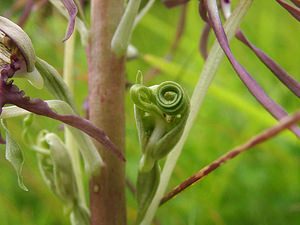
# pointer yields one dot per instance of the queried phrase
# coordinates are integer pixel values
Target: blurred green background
(259, 187)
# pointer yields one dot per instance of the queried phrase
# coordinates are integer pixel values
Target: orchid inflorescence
(18, 59)
(161, 111)
(21, 60)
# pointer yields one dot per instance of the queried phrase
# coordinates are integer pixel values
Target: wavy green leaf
(14, 155)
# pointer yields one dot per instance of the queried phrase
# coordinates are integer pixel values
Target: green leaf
(14, 155)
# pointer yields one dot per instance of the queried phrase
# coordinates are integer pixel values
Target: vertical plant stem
(106, 102)
(208, 73)
(69, 139)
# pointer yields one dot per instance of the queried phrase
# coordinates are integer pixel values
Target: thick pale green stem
(68, 74)
(206, 77)
(106, 107)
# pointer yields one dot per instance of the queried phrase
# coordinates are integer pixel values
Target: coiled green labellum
(161, 112)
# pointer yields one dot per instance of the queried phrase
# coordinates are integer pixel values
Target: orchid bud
(161, 112)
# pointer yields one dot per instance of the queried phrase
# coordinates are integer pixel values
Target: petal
(276, 110)
(295, 12)
(203, 45)
(277, 70)
(72, 11)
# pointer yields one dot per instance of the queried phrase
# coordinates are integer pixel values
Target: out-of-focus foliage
(259, 187)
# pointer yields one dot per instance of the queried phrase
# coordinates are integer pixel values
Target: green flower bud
(161, 112)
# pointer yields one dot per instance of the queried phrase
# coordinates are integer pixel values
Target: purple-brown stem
(285, 123)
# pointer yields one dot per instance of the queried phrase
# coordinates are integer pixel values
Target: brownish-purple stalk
(285, 123)
(106, 110)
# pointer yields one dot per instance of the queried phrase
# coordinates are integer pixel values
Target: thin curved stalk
(68, 75)
(267, 134)
(209, 70)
